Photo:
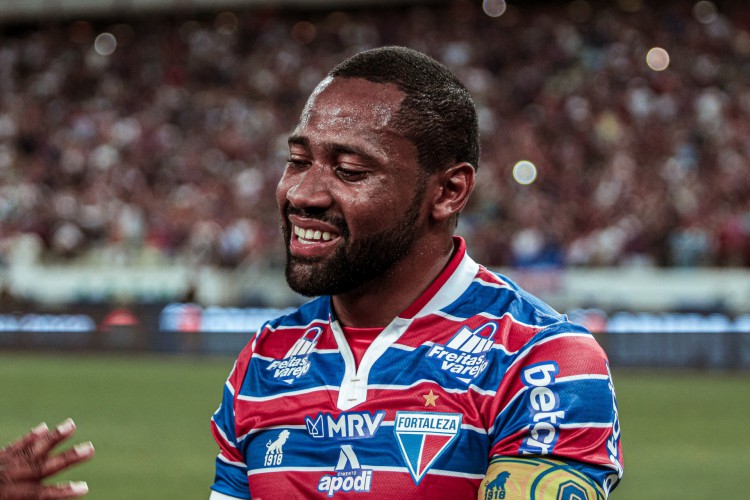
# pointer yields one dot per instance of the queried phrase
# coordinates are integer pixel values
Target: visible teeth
(310, 234)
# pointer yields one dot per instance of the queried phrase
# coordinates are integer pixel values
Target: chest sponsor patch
(423, 436)
(348, 425)
(464, 356)
(349, 475)
(295, 362)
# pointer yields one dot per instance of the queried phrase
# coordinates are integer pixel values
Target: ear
(452, 192)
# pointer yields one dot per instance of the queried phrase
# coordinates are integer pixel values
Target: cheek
(281, 189)
(375, 212)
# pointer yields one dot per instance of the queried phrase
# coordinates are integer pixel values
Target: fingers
(37, 491)
(29, 459)
(77, 454)
(52, 438)
(71, 490)
(33, 436)
(40, 441)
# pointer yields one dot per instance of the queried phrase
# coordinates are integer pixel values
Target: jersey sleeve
(231, 470)
(557, 402)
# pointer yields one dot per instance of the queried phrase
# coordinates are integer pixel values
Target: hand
(25, 463)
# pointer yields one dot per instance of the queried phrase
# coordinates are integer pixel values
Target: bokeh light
(657, 59)
(105, 44)
(704, 12)
(494, 8)
(524, 172)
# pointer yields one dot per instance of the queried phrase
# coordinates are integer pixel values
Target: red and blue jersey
(475, 368)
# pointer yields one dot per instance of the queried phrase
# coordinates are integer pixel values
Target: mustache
(320, 215)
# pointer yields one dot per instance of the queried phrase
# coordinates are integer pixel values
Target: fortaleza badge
(295, 362)
(423, 437)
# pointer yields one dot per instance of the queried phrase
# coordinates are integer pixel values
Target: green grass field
(684, 433)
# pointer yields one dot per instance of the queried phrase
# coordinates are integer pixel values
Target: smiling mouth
(308, 236)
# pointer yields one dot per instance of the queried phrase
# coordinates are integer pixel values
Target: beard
(354, 263)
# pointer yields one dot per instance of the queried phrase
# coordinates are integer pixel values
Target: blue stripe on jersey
(230, 480)
(400, 367)
(301, 450)
(524, 308)
(326, 370)
(225, 419)
(598, 407)
(316, 309)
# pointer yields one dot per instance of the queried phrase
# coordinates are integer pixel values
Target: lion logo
(275, 446)
(495, 489)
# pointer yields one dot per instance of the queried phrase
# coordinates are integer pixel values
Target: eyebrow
(331, 148)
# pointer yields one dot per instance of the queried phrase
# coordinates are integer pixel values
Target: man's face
(351, 195)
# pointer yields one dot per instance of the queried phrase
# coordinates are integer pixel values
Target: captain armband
(514, 478)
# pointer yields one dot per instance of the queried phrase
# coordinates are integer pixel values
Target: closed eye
(351, 175)
(297, 163)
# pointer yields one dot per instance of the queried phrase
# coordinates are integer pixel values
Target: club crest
(423, 436)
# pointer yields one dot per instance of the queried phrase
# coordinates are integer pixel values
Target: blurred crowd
(148, 140)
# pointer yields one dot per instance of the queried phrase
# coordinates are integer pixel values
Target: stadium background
(140, 142)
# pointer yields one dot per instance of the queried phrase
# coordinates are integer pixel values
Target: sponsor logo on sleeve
(424, 436)
(349, 475)
(295, 362)
(464, 357)
(348, 425)
(543, 405)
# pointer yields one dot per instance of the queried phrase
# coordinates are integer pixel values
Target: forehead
(351, 104)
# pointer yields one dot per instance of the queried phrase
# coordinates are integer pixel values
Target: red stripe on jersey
(486, 275)
(230, 452)
(574, 354)
(282, 410)
(383, 484)
(589, 442)
(277, 343)
(439, 330)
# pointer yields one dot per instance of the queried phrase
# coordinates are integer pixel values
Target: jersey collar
(450, 283)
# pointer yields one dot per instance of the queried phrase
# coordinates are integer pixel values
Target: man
(416, 373)
(26, 462)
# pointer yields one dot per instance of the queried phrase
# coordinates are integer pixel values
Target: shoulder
(523, 320)
(295, 322)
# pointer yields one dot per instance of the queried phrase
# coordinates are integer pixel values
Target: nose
(309, 189)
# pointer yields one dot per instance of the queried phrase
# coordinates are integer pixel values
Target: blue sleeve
(231, 469)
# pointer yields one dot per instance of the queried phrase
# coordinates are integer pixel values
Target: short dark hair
(437, 113)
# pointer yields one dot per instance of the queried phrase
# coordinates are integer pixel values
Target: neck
(378, 302)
